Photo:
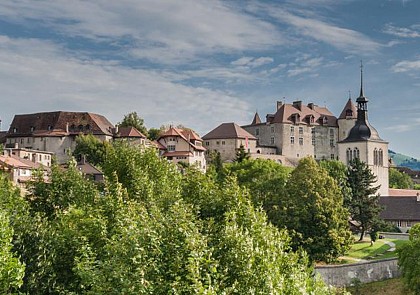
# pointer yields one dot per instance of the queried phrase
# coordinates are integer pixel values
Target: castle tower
(346, 120)
(363, 142)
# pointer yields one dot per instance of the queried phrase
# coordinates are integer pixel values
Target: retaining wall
(365, 272)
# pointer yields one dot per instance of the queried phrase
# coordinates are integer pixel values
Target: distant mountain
(401, 160)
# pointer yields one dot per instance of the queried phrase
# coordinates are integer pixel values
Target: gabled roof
(349, 111)
(256, 119)
(288, 113)
(13, 161)
(228, 131)
(59, 124)
(400, 208)
(186, 134)
(130, 131)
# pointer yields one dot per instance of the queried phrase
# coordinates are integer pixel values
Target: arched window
(375, 157)
(381, 157)
(349, 155)
(356, 153)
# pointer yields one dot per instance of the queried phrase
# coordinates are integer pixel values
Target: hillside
(401, 160)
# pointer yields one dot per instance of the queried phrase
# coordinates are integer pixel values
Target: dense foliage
(134, 120)
(399, 179)
(151, 230)
(409, 262)
(364, 202)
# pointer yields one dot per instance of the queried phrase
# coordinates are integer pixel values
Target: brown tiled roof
(395, 192)
(286, 112)
(16, 162)
(256, 119)
(401, 208)
(130, 132)
(349, 109)
(58, 124)
(227, 131)
(187, 134)
(89, 169)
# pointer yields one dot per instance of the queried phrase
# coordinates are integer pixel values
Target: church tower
(363, 142)
(346, 120)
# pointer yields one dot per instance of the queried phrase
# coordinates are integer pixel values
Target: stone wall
(365, 272)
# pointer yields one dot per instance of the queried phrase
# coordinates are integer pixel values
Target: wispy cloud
(252, 61)
(412, 124)
(304, 64)
(406, 66)
(165, 31)
(49, 79)
(410, 32)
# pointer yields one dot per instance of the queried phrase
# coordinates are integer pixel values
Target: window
(313, 136)
(399, 223)
(332, 142)
(50, 127)
(349, 155)
(257, 131)
(356, 153)
(272, 129)
(292, 129)
(207, 143)
(32, 128)
(217, 142)
(331, 133)
(381, 157)
(223, 142)
(408, 223)
(300, 130)
(14, 130)
(300, 140)
(292, 140)
(22, 140)
(171, 147)
(272, 140)
(332, 156)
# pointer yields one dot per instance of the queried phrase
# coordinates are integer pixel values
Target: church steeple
(256, 119)
(362, 130)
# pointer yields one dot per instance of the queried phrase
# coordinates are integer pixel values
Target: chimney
(298, 104)
(311, 105)
(279, 104)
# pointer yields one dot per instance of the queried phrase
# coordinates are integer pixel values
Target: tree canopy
(399, 179)
(363, 204)
(408, 260)
(134, 120)
(150, 230)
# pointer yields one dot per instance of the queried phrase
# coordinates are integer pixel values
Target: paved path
(392, 245)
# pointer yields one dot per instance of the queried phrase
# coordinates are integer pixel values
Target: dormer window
(32, 128)
(349, 113)
(14, 130)
(87, 127)
(296, 118)
(80, 127)
(72, 127)
(50, 127)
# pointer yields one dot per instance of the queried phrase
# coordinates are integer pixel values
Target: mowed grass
(379, 250)
(387, 287)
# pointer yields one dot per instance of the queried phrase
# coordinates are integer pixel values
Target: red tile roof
(130, 132)
(228, 131)
(16, 162)
(394, 192)
(187, 134)
(349, 111)
(59, 124)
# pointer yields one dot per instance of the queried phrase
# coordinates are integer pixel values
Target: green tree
(314, 211)
(11, 269)
(133, 120)
(399, 179)
(364, 207)
(339, 171)
(408, 260)
(154, 133)
(92, 148)
(241, 154)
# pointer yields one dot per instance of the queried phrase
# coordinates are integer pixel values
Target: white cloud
(310, 25)
(412, 32)
(38, 76)
(252, 62)
(406, 66)
(165, 31)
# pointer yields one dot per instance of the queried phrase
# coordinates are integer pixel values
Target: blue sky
(201, 62)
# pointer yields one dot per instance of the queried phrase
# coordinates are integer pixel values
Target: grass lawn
(379, 250)
(387, 287)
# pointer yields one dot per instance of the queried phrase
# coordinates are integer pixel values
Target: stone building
(56, 132)
(182, 145)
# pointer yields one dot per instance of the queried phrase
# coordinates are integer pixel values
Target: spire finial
(361, 78)
(349, 94)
